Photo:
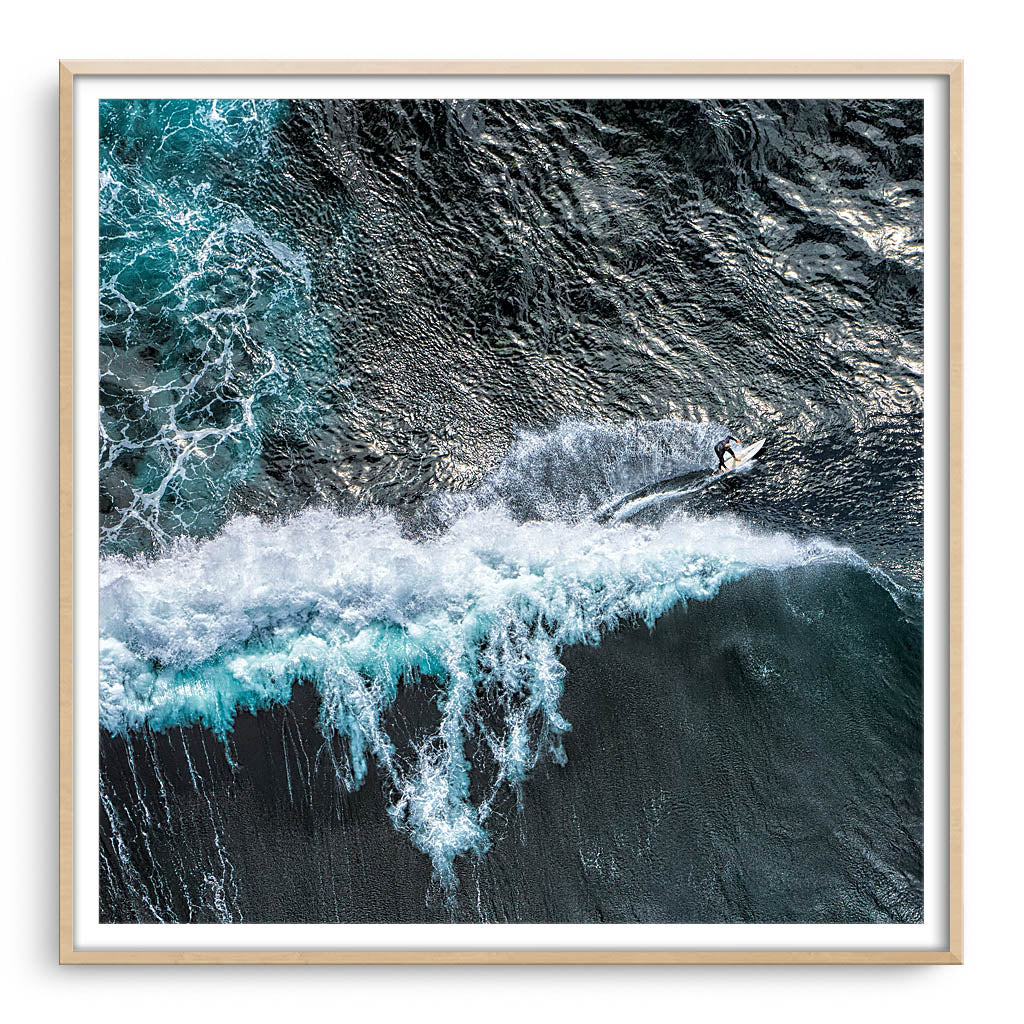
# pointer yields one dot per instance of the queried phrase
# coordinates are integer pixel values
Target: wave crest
(351, 604)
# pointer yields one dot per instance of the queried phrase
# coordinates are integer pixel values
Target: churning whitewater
(478, 612)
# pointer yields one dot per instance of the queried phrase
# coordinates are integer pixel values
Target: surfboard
(744, 455)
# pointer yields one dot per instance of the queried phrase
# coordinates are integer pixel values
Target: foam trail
(360, 610)
(628, 505)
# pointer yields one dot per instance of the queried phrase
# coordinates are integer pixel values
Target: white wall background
(986, 34)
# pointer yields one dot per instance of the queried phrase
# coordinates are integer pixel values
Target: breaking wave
(476, 615)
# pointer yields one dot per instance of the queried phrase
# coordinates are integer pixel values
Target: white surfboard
(744, 455)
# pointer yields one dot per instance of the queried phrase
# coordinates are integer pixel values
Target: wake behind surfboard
(678, 488)
(673, 489)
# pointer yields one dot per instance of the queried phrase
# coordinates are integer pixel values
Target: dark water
(419, 600)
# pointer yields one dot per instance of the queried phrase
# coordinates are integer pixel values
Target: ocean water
(420, 599)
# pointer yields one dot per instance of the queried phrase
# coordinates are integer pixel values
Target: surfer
(723, 448)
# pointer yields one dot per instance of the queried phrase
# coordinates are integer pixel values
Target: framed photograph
(510, 512)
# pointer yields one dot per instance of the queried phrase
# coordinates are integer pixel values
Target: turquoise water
(210, 340)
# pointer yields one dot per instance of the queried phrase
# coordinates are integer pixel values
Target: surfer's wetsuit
(720, 450)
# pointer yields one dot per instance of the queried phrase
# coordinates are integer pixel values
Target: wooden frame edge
(518, 957)
(953, 70)
(66, 513)
(512, 67)
(956, 501)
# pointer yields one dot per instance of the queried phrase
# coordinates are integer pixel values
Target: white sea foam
(360, 610)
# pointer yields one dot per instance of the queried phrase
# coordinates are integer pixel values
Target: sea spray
(359, 609)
